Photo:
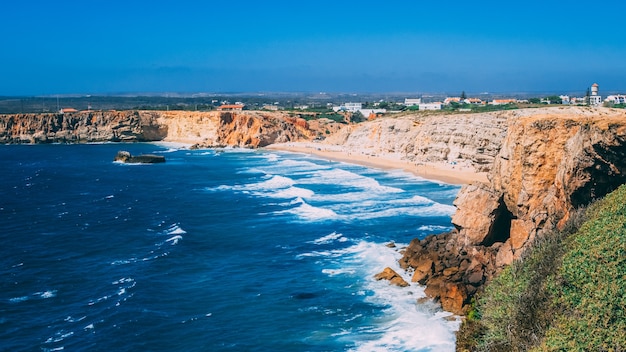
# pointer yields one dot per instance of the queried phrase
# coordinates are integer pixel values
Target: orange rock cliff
(203, 129)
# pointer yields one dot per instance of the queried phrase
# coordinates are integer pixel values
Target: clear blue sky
(95, 47)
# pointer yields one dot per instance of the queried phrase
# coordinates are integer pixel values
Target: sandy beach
(453, 174)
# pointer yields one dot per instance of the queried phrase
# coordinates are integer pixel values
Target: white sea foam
(271, 157)
(122, 281)
(433, 228)
(18, 299)
(274, 182)
(329, 238)
(174, 239)
(307, 212)
(47, 294)
(334, 272)
(175, 230)
(349, 179)
(403, 325)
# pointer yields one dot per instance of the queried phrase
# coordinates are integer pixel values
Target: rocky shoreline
(541, 165)
(548, 166)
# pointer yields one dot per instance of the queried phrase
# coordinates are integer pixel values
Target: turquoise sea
(214, 250)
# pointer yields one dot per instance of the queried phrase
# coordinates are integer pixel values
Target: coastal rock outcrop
(204, 129)
(392, 276)
(551, 162)
(125, 157)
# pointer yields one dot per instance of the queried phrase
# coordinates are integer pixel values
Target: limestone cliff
(471, 140)
(205, 129)
(80, 127)
(550, 162)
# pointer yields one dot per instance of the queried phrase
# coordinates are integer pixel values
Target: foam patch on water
(403, 324)
(348, 179)
(175, 230)
(307, 212)
(434, 228)
(329, 239)
(174, 239)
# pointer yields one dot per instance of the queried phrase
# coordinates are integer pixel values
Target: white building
(616, 99)
(595, 99)
(368, 112)
(412, 102)
(352, 107)
(430, 106)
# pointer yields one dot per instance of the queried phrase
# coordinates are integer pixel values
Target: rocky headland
(203, 129)
(539, 166)
(550, 162)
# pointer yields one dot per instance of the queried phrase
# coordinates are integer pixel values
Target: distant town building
(474, 101)
(412, 101)
(503, 101)
(234, 107)
(430, 106)
(595, 99)
(351, 107)
(451, 100)
(616, 99)
(368, 112)
(565, 99)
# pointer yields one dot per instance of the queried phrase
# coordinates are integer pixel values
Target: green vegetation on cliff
(567, 293)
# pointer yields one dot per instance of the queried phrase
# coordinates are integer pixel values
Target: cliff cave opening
(606, 174)
(501, 228)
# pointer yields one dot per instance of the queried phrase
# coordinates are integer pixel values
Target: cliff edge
(550, 162)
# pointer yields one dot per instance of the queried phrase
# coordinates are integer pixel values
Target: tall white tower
(595, 99)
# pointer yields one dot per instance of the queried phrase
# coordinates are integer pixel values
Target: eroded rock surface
(550, 162)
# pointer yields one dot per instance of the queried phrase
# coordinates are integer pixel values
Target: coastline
(452, 174)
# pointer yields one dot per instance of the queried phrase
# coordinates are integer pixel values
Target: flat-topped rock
(125, 157)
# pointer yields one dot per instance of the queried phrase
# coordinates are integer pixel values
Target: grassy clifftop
(567, 293)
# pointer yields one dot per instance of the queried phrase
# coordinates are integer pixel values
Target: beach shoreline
(447, 173)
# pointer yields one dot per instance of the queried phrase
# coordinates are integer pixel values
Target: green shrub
(590, 286)
(566, 293)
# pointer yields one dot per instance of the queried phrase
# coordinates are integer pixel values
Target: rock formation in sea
(125, 157)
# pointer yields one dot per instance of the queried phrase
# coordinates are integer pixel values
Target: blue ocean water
(214, 250)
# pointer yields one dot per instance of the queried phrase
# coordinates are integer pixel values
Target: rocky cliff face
(80, 127)
(550, 162)
(205, 129)
(472, 140)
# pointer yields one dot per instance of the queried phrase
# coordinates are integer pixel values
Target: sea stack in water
(125, 157)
